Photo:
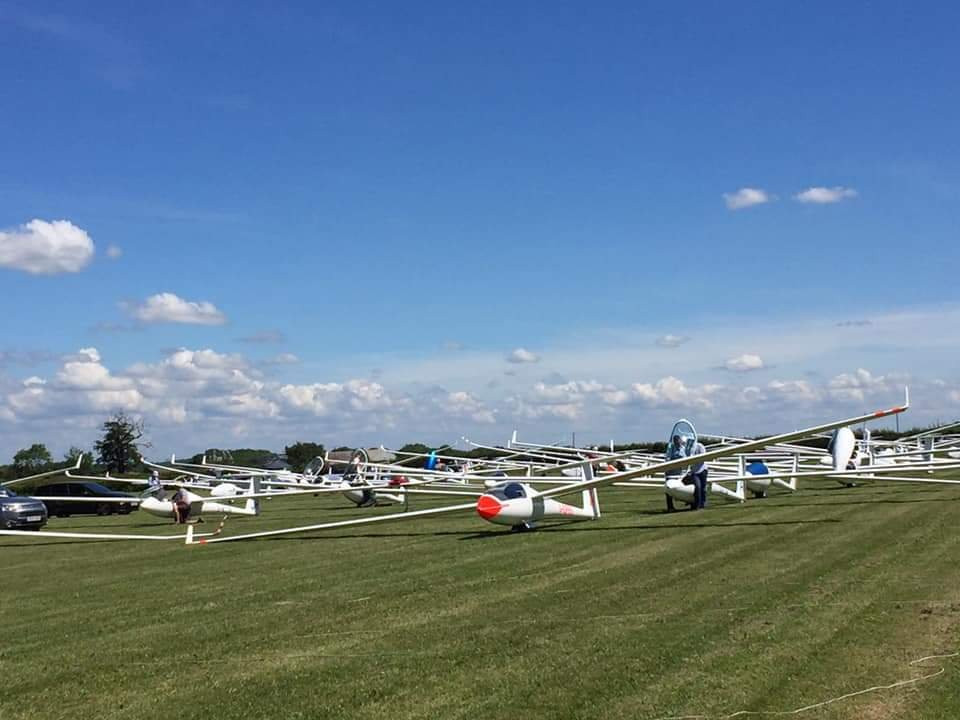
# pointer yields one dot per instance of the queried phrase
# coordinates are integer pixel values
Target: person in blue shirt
(675, 450)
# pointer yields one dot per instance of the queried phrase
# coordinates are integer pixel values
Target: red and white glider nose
(488, 506)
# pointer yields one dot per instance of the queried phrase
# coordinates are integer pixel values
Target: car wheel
(103, 509)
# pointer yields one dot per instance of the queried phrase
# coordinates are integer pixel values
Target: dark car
(21, 513)
(91, 499)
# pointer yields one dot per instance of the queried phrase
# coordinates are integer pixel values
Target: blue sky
(401, 197)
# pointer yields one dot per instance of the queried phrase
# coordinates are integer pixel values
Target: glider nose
(488, 506)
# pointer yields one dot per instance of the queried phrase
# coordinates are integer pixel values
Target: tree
(118, 450)
(300, 453)
(32, 460)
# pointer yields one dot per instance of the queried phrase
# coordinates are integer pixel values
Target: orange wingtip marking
(881, 413)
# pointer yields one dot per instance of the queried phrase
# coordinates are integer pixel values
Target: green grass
(772, 605)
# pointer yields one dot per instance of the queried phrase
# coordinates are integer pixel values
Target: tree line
(118, 451)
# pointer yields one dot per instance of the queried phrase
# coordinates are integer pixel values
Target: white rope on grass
(807, 708)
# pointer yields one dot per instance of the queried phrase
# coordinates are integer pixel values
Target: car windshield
(7, 492)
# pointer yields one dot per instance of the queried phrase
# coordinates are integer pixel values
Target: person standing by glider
(675, 450)
(698, 473)
(154, 487)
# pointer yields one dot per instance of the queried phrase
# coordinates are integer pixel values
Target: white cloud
(46, 248)
(746, 197)
(323, 399)
(666, 392)
(88, 354)
(672, 341)
(522, 355)
(521, 408)
(82, 385)
(567, 392)
(169, 308)
(561, 400)
(861, 384)
(825, 195)
(464, 404)
(794, 391)
(578, 398)
(113, 252)
(197, 398)
(744, 363)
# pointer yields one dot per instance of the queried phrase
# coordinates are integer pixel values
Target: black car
(20, 513)
(91, 499)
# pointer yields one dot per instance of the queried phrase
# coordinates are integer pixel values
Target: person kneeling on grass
(181, 506)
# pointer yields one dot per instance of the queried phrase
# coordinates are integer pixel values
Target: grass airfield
(770, 606)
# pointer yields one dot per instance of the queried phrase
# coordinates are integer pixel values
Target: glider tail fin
(591, 501)
(253, 504)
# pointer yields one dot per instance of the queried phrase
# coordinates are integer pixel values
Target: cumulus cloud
(573, 399)
(744, 363)
(113, 252)
(794, 391)
(672, 341)
(325, 399)
(522, 355)
(82, 385)
(562, 400)
(169, 308)
(825, 195)
(200, 398)
(861, 384)
(204, 384)
(746, 197)
(462, 404)
(666, 392)
(46, 248)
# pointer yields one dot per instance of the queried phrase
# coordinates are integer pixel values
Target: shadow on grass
(475, 535)
(42, 542)
(861, 501)
(684, 526)
(551, 528)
